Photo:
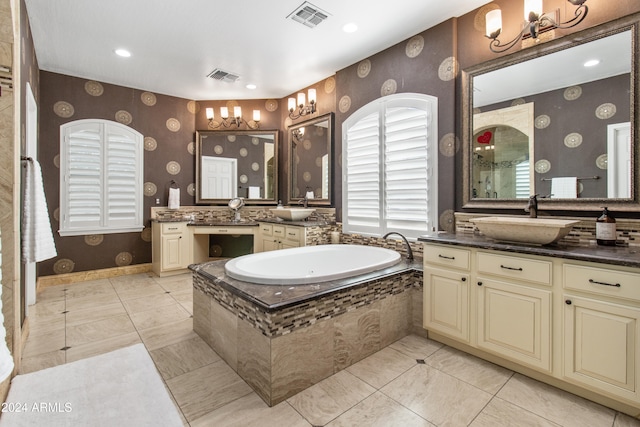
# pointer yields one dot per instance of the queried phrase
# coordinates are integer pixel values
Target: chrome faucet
(409, 251)
(304, 202)
(532, 206)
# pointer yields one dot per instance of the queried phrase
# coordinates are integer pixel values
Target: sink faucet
(409, 251)
(532, 206)
(304, 202)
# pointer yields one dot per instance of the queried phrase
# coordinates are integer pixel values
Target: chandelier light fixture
(535, 22)
(236, 120)
(302, 108)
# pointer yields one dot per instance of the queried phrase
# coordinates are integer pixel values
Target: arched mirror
(578, 142)
(311, 161)
(231, 164)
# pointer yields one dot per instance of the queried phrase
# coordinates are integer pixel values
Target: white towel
(254, 192)
(564, 187)
(6, 361)
(174, 198)
(37, 237)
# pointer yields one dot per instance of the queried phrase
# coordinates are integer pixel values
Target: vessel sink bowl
(292, 214)
(534, 231)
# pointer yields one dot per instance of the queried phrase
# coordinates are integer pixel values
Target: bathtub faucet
(409, 251)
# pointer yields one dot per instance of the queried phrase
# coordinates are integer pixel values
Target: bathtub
(310, 264)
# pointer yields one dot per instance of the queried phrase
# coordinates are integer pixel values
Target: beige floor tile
(92, 303)
(379, 411)
(204, 390)
(180, 283)
(500, 413)
(437, 397)
(128, 278)
(416, 347)
(159, 316)
(44, 342)
(554, 404)
(51, 293)
(382, 367)
(623, 420)
(75, 316)
(95, 348)
(183, 357)
(326, 400)
(93, 288)
(475, 371)
(185, 299)
(46, 316)
(251, 411)
(42, 361)
(99, 330)
(150, 302)
(162, 336)
(137, 289)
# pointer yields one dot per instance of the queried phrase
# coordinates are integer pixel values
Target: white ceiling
(176, 43)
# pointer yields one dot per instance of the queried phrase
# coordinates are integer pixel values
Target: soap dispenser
(606, 229)
(279, 205)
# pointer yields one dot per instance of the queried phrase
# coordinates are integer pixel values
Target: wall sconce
(535, 22)
(236, 120)
(303, 108)
(297, 134)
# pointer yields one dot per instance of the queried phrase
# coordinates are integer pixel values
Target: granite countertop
(313, 223)
(627, 256)
(209, 223)
(276, 297)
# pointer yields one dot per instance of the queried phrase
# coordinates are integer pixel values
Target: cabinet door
(515, 322)
(446, 302)
(601, 346)
(270, 244)
(173, 252)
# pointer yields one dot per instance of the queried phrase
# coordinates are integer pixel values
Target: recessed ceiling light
(350, 28)
(251, 86)
(592, 63)
(123, 52)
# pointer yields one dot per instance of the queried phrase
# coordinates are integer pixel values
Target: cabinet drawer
(602, 281)
(174, 227)
(513, 267)
(447, 256)
(278, 230)
(293, 234)
(266, 229)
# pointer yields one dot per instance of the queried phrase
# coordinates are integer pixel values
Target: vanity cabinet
(173, 254)
(446, 291)
(601, 335)
(279, 236)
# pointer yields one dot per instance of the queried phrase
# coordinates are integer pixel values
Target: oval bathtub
(310, 264)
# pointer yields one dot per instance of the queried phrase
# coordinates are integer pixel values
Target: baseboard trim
(82, 276)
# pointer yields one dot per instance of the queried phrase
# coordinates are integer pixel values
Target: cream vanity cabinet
(279, 236)
(601, 334)
(446, 291)
(513, 304)
(173, 254)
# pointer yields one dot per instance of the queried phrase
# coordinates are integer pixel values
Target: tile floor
(413, 382)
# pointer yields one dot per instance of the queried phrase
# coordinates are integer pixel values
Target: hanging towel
(37, 237)
(6, 361)
(254, 192)
(174, 198)
(564, 187)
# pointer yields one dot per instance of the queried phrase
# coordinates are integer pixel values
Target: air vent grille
(308, 15)
(223, 76)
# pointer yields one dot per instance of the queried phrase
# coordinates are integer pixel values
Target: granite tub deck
(283, 339)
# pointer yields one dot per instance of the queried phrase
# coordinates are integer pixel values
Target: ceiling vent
(308, 15)
(223, 76)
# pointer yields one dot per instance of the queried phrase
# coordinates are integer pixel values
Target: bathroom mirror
(578, 144)
(310, 161)
(238, 163)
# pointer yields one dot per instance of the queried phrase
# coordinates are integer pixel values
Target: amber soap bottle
(606, 229)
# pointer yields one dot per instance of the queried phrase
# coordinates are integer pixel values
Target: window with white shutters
(390, 167)
(101, 178)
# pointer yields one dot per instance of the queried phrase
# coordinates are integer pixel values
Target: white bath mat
(121, 388)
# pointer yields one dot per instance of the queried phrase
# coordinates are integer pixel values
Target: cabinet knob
(568, 302)
(464, 279)
(479, 283)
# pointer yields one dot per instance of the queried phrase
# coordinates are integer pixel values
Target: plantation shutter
(389, 167)
(100, 178)
(522, 180)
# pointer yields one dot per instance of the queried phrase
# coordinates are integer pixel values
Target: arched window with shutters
(101, 178)
(389, 161)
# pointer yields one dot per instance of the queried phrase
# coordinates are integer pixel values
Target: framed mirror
(310, 161)
(540, 121)
(240, 163)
